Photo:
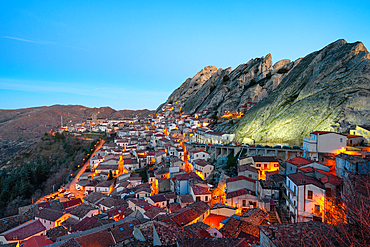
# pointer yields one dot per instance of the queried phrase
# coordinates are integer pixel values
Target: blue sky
(133, 54)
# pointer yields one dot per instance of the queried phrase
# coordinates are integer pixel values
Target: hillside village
(161, 181)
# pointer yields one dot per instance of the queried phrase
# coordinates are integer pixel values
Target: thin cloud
(41, 42)
(25, 40)
(73, 88)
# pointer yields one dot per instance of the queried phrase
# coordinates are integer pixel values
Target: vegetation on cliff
(39, 169)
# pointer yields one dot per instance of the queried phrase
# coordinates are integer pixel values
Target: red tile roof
(320, 132)
(50, 214)
(158, 198)
(238, 178)
(301, 179)
(36, 241)
(202, 163)
(186, 176)
(72, 203)
(199, 190)
(299, 161)
(24, 231)
(182, 216)
(237, 193)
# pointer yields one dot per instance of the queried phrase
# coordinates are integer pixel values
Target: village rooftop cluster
(158, 183)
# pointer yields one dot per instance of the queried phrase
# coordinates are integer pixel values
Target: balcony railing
(288, 200)
(291, 191)
(309, 140)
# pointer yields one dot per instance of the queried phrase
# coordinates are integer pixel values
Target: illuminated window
(258, 165)
(317, 208)
(310, 194)
(276, 165)
(198, 198)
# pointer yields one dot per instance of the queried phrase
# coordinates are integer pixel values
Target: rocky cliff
(326, 90)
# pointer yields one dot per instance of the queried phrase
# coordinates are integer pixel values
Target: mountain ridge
(327, 89)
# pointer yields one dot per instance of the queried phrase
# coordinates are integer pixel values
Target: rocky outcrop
(326, 90)
(221, 90)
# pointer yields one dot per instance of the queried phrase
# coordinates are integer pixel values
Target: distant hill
(22, 127)
(328, 90)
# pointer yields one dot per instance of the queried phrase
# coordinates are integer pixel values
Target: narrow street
(71, 187)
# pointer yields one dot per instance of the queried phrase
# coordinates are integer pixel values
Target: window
(328, 192)
(276, 165)
(258, 165)
(295, 192)
(198, 198)
(341, 139)
(204, 156)
(317, 208)
(250, 175)
(310, 195)
(244, 203)
(206, 198)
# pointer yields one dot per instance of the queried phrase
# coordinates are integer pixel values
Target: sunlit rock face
(326, 90)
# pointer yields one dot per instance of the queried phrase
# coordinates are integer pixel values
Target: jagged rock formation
(326, 90)
(226, 90)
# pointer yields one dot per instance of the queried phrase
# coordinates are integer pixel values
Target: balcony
(291, 191)
(288, 200)
(309, 140)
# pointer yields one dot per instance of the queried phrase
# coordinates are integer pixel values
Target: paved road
(72, 185)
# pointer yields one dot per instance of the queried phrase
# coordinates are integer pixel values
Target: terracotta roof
(56, 232)
(199, 207)
(299, 161)
(50, 214)
(182, 216)
(111, 202)
(101, 238)
(202, 163)
(120, 210)
(174, 206)
(238, 193)
(238, 178)
(72, 203)
(36, 241)
(24, 231)
(104, 184)
(331, 179)
(199, 190)
(309, 234)
(185, 198)
(186, 176)
(154, 211)
(301, 179)
(212, 242)
(81, 210)
(233, 227)
(158, 198)
(70, 222)
(123, 231)
(247, 167)
(255, 216)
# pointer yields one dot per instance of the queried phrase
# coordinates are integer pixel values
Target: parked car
(277, 146)
(296, 147)
(286, 147)
(259, 146)
(267, 146)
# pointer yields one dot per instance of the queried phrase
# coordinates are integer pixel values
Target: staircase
(273, 219)
(284, 215)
